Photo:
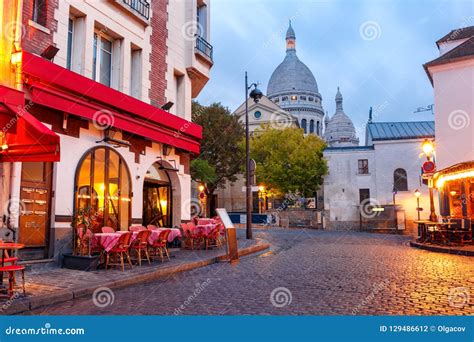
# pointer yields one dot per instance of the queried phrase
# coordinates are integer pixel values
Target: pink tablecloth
(106, 240)
(205, 221)
(175, 233)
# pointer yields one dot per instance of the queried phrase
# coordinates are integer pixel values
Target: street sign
(428, 167)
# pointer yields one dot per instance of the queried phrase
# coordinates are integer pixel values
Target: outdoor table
(205, 229)
(106, 240)
(422, 228)
(205, 221)
(174, 233)
(4, 246)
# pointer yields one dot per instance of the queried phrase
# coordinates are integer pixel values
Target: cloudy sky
(373, 50)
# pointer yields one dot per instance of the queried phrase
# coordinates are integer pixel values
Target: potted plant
(81, 258)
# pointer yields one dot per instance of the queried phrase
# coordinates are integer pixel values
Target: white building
(452, 77)
(369, 174)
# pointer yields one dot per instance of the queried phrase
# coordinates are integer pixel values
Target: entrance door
(35, 204)
(157, 204)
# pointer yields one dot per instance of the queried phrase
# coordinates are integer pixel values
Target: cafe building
(452, 78)
(95, 110)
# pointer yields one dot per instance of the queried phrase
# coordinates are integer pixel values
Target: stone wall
(298, 218)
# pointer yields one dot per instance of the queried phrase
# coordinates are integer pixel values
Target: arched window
(103, 186)
(317, 128)
(311, 126)
(303, 125)
(400, 182)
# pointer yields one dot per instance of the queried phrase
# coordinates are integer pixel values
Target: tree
(222, 157)
(288, 161)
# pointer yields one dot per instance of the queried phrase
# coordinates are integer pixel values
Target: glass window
(318, 128)
(311, 126)
(103, 185)
(94, 57)
(303, 98)
(70, 36)
(257, 114)
(40, 12)
(311, 99)
(303, 125)
(33, 172)
(105, 62)
(102, 60)
(363, 166)
(400, 182)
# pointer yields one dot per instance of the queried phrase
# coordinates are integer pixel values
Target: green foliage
(202, 171)
(220, 147)
(287, 161)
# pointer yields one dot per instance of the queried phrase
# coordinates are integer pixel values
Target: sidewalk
(54, 285)
(466, 250)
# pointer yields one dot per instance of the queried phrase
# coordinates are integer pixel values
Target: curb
(441, 249)
(35, 302)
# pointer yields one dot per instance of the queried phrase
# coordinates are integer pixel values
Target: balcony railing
(142, 7)
(203, 46)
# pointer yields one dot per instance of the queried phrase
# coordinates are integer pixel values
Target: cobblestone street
(305, 272)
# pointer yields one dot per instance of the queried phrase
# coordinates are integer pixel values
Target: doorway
(35, 209)
(157, 198)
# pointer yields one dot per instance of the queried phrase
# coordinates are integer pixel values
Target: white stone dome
(340, 130)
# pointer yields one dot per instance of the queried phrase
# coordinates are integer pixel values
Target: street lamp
(256, 95)
(428, 150)
(417, 195)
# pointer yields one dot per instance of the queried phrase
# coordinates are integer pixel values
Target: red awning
(28, 140)
(59, 88)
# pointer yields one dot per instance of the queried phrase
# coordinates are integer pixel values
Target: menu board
(224, 216)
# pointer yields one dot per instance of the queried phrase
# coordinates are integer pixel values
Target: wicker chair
(107, 230)
(121, 249)
(140, 245)
(160, 245)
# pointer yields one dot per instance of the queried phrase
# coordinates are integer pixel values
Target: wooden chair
(140, 244)
(161, 245)
(120, 249)
(213, 239)
(107, 230)
(461, 232)
(11, 269)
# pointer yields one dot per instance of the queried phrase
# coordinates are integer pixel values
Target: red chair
(136, 228)
(140, 244)
(213, 239)
(107, 230)
(120, 249)
(161, 244)
(11, 269)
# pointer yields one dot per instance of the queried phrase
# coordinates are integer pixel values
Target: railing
(203, 46)
(142, 7)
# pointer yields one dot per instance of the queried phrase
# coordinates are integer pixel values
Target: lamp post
(428, 150)
(256, 95)
(417, 195)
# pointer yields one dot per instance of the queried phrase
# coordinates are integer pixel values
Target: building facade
(113, 82)
(375, 175)
(452, 78)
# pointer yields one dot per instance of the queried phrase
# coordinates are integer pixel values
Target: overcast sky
(373, 50)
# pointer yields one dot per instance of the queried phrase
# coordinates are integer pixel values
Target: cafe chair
(160, 245)
(136, 228)
(213, 239)
(108, 230)
(11, 269)
(140, 245)
(120, 249)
